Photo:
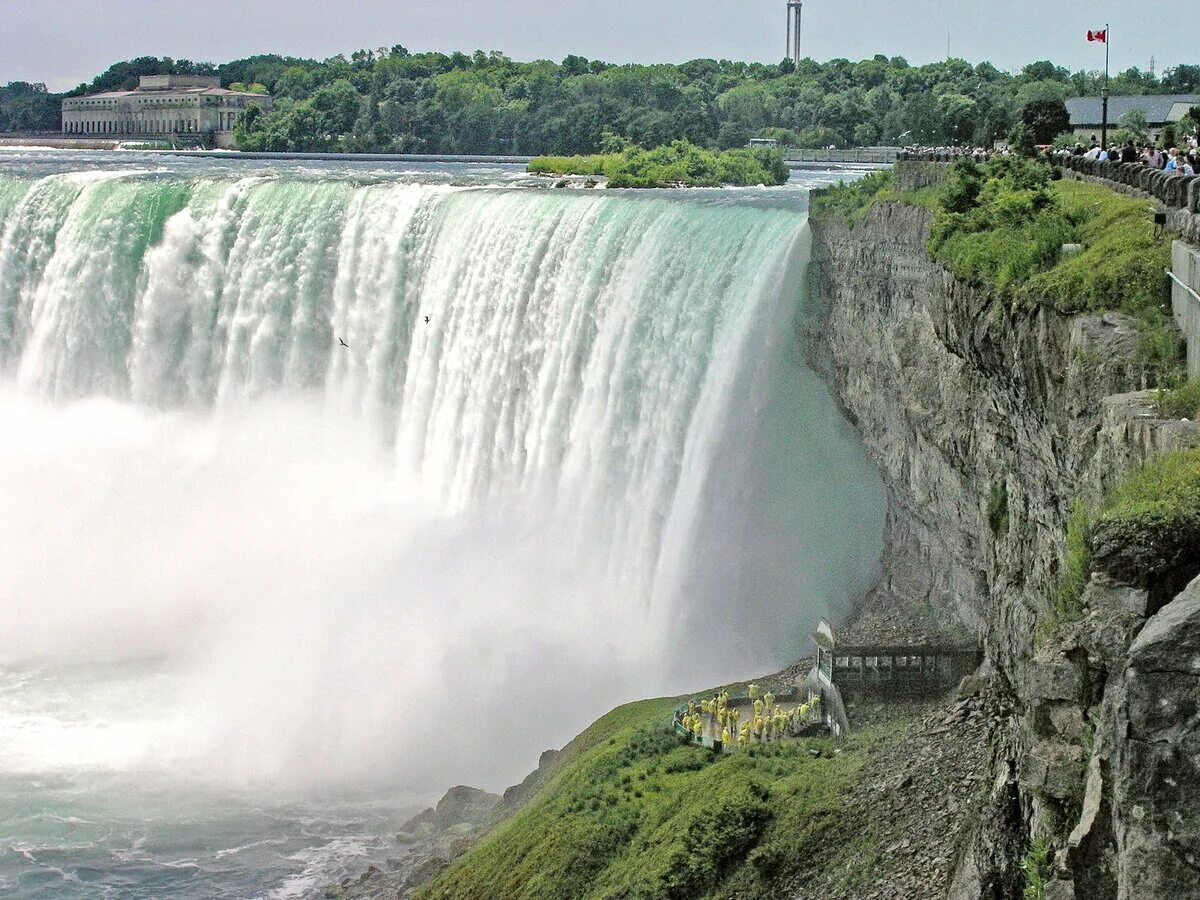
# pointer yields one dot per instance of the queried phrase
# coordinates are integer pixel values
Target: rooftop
(1158, 108)
(172, 84)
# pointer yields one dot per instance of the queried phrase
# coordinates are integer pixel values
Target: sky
(65, 42)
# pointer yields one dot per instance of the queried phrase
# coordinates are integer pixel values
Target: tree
(1045, 119)
(1134, 122)
(1190, 123)
(1044, 70)
(1021, 141)
(958, 113)
(1181, 80)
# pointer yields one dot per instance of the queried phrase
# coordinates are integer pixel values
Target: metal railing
(1175, 278)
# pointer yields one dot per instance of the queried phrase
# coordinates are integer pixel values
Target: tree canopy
(389, 99)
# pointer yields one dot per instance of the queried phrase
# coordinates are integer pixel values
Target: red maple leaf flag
(1101, 36)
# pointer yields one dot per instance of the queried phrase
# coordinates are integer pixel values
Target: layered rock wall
(988, 424)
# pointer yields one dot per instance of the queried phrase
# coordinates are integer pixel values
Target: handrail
(1175, 278)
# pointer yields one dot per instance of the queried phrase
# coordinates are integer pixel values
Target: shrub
(1066, 599)
(1002, 224)
(850, 200)
(677, 163)
(1182, 402)
(1036, 868)
(714, 839)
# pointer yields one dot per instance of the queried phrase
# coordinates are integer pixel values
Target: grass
(1002, 225)
(676, 164)
(1163, 496)
(1123, 262)
(1151, 517)
(632, 812)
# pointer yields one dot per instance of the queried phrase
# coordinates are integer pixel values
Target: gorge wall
(988, 423)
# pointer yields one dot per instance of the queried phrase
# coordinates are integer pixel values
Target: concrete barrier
(1185, 299)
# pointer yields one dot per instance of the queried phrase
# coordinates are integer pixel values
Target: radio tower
(794, 11)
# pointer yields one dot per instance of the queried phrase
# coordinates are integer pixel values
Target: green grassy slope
(632, 812)
(1002, 225)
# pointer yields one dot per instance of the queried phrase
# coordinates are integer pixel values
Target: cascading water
(317, 482)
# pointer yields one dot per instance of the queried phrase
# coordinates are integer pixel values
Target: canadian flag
(1101, 36)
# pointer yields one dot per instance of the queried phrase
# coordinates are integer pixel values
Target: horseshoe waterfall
(326, 489)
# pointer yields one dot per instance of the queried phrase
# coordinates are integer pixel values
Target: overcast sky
(65, 42)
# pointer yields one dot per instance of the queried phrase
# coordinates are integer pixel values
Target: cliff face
(987, 425)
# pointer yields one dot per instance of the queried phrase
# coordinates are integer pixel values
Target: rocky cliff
(988, 423)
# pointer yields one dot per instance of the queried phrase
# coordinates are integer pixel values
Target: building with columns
(163, 107)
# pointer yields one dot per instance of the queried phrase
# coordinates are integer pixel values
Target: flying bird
(427, 320)
(343, 343)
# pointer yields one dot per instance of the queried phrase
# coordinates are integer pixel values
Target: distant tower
(794, 10)
(1151, 65)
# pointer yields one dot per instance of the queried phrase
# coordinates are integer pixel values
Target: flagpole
(1104, 92)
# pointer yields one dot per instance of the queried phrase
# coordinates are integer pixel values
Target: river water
(329, 485)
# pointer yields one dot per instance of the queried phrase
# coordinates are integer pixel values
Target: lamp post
(1104, 91)
(1104, 118)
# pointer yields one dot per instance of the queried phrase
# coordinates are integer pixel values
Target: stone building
(164, 107)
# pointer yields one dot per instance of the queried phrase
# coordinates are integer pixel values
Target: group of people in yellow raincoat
(770, 721)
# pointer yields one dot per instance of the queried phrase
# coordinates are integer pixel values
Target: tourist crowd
(1183, 160)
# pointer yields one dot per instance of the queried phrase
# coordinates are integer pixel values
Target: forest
(391, 100)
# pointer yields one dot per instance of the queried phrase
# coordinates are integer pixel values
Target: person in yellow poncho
(725, 735)
(758, 707)
(768, 699)
(754, 691)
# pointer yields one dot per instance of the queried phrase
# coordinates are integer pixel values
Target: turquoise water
(313, 470)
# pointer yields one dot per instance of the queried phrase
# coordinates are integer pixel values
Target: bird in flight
(343, 343)
(427, 320)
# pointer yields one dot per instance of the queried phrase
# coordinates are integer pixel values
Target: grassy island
(678, 164)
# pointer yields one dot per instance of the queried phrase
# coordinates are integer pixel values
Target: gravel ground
(901, 831)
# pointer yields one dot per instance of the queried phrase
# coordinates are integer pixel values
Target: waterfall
(393, 452)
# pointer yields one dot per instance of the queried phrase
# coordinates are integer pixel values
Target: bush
(674, 164)
(850, 200)
(1182, 402)
(1003, 224)
(1036, 868)
(1066, 599)
(716, 838)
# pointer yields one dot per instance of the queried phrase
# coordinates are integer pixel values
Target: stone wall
(954, 394)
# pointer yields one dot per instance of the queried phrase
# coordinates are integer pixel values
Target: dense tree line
(393, 100)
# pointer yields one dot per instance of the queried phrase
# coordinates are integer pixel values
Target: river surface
(328, 485)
